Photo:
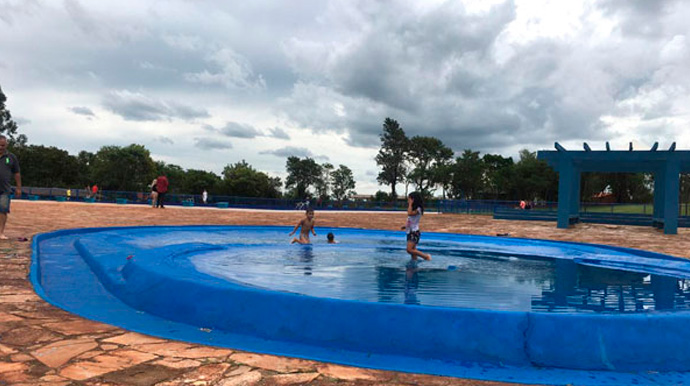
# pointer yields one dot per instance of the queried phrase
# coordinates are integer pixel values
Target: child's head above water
(331, 237)
(310, 212)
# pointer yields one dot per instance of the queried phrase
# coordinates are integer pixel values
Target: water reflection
(306, 256)
(579, 287)
(411, 282)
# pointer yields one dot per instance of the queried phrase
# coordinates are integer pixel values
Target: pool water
(376, 268)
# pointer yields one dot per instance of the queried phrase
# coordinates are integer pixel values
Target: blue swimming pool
(484, 307)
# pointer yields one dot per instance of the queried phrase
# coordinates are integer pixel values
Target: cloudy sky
(203, 85)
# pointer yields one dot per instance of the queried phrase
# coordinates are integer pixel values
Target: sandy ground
(43, 345)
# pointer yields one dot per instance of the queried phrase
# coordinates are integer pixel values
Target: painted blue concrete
(183, 303)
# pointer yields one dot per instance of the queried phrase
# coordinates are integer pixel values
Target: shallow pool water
(375, 268)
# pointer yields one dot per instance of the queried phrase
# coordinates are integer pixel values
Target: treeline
(131, 168)
(427, 165)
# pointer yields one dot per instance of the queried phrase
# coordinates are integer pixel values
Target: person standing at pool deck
(415, 210)
(9, 166)
(162, 189)
(307, 224)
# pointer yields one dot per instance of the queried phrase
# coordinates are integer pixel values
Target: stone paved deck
(43, 345)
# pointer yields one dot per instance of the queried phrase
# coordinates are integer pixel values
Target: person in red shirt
(94, 190)
(162, 188)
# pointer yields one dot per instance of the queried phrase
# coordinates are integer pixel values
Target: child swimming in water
(331, 238)
(307, 225)
(415, 210)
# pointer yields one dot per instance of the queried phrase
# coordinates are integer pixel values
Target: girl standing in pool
(415, 210)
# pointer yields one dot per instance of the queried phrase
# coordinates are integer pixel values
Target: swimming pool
(484, 307)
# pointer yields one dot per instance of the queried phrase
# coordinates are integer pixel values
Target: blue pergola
(666, 167)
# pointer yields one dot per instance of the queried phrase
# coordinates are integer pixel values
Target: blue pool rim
(481, 344)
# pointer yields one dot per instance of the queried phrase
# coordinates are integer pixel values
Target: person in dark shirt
(9, 167)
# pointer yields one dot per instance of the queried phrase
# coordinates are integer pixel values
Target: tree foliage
(242, 180)
(8, 127)
(343, 183)
(127, 168)
(302, 174)
(48, 166)
(392, 155)
(426, 154)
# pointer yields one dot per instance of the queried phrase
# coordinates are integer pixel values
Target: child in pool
(331, 238)
(415, 209)
(307, 225)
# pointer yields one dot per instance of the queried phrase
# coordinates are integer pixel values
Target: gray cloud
(206, 143)
(135, 106)
(277, 132)
(239, 130)
(291, 151)
(165, 140)
(244, 130)
(82, 111)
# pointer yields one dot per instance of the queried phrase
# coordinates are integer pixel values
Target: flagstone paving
(43, 345)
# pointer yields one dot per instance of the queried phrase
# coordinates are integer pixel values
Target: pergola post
(566, 173)
(659, 195)
(671, 193)
(575, 196)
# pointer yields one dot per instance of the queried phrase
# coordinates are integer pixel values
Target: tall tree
(302, 174)
(343, 183)
(323, 184)
(534, 179)
(424, 154)
(196, 181)
(127, 168)
(467, 175)
(48, 167)
(241, 179)
(391, 155)
(8, 127)
(497, 176)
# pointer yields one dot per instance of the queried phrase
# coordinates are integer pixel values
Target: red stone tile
(79, 327)
(9, 367)
(346, 373)
(182, 350)
(58, 353)
(247, 379)
(293, 379)
(5, 317)
(274, 363)
(132, 338)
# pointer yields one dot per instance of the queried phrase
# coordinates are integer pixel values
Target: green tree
(127, 168)
(424, 154)
(343, 183)
(196, 181)
(468, 173)
(323, 184)
(84, 161)
(497, 176)
(8, 127)
(43, 166)
(243, 180)
(302, 174)
(381, 196)
(175, 174)
(534, 179)
(391, 155)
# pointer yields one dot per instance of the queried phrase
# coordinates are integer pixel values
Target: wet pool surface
(516, 275)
